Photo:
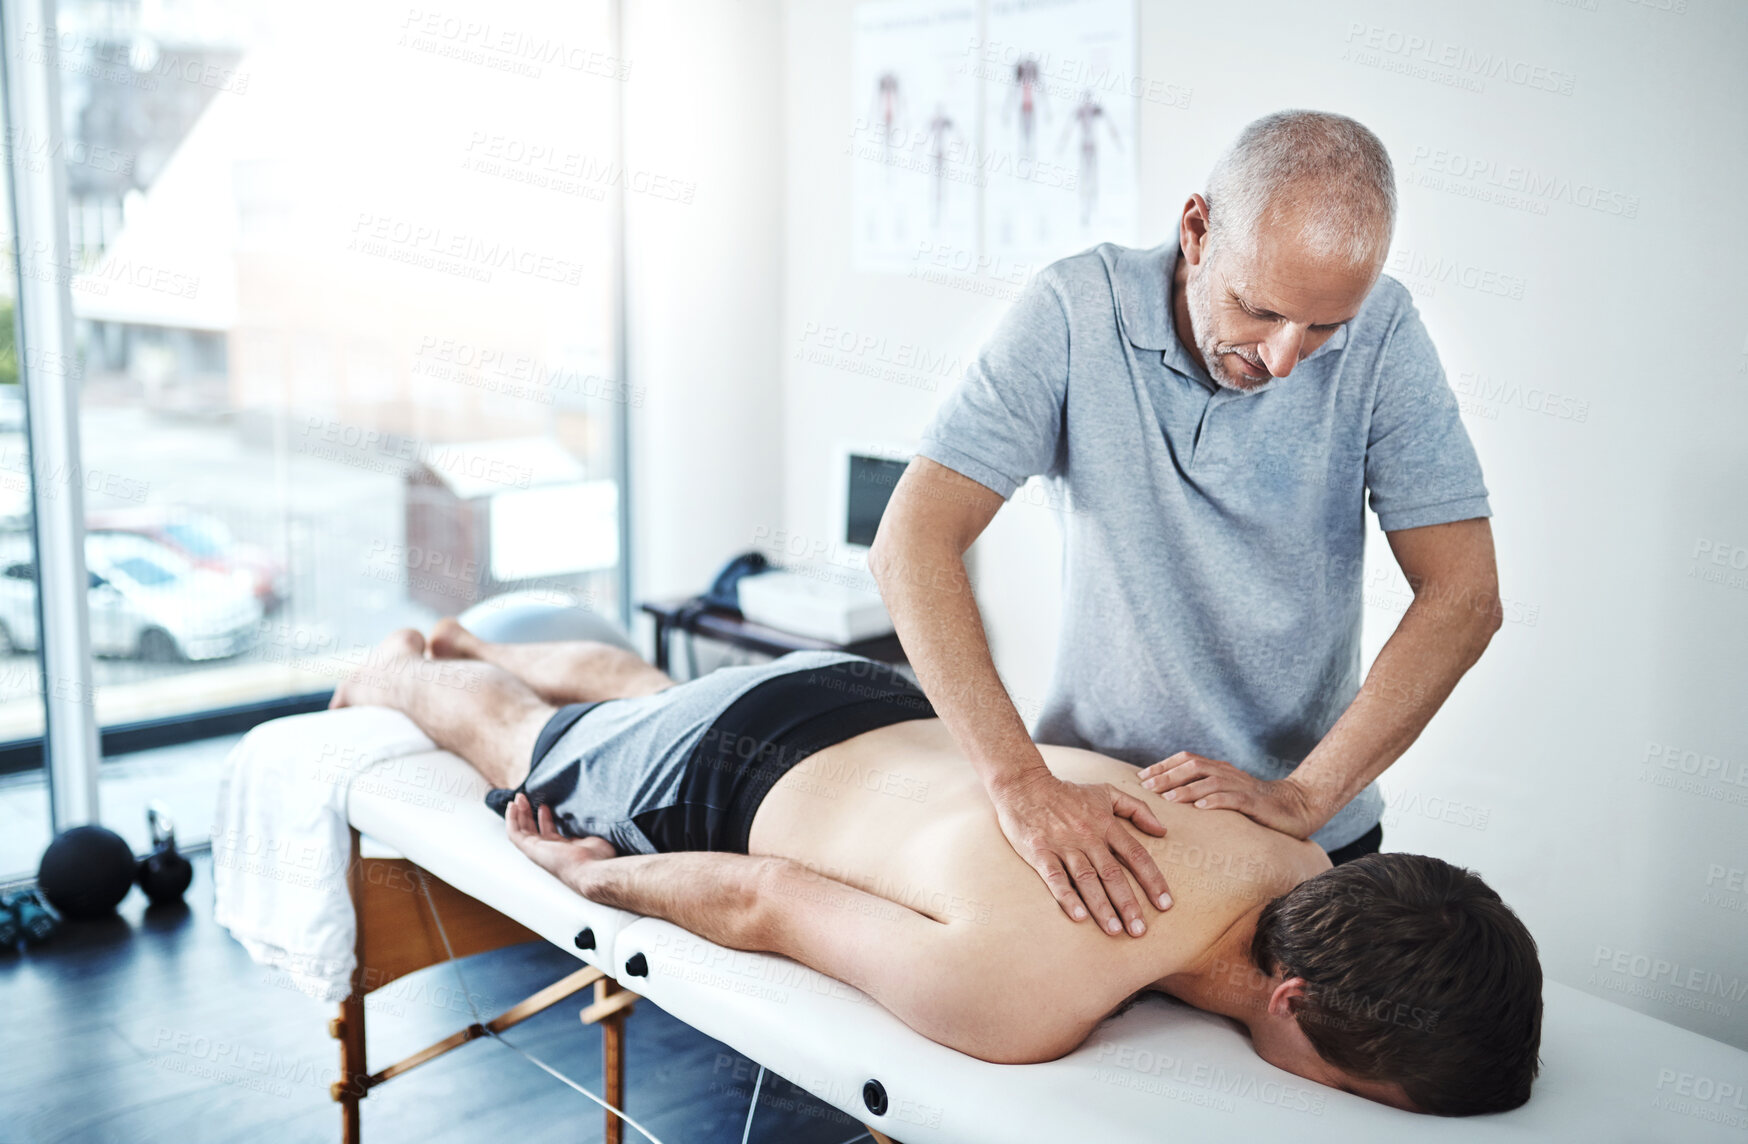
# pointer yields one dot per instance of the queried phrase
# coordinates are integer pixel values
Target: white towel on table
(280, 841)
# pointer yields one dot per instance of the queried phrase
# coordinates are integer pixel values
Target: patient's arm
(716, 896)
(945, 981)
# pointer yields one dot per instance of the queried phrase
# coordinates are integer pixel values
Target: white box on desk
(807, 606)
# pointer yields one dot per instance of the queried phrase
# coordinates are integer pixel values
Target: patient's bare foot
(537, 835)
(372, 684)
(449, 640)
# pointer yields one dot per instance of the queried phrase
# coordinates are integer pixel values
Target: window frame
(73, 742)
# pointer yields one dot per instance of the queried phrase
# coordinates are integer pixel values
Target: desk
(729, 627)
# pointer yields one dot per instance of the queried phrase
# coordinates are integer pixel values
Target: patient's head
(1404, 979)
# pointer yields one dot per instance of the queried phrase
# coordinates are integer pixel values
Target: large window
(344, 301)
(24, 807)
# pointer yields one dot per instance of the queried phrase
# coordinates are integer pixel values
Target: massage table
(1160, 1072)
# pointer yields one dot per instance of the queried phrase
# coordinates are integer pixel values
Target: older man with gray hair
(1213, 413)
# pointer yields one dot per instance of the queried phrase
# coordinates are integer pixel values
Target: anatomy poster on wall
(914, 135)
(1059, 83)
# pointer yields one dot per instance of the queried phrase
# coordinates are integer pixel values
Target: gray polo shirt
(1213, 538)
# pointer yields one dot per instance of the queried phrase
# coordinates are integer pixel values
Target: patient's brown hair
(1416, 973)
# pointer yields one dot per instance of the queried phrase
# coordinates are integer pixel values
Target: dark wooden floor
(156, 1026)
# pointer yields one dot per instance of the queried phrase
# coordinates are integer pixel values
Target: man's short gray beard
(1202, 331)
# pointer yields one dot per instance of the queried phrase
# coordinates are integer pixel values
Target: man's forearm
(714, 895)
(1435, 643)
(928, 594)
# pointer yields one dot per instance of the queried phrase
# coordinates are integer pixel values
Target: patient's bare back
(899, 812)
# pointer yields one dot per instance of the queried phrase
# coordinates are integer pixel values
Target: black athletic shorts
(763, 735)
(686, 768)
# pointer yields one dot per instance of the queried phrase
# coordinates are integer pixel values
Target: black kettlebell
(163, 874)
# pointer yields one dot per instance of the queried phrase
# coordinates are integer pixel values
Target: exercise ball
(86, 871)
(537, 617)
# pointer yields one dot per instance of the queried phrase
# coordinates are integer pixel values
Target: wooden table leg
(348, 1029)
(612, 1059)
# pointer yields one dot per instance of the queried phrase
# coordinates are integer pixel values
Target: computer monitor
(870, 484)
(866, 476)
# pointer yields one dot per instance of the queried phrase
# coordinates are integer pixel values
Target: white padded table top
(430, 808)
(1161, 1072)
(1164, 1071)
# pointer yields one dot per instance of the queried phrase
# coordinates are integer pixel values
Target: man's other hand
(1071, 835)
(536, 834)
(1211, 784)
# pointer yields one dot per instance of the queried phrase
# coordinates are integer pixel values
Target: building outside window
(344, 308)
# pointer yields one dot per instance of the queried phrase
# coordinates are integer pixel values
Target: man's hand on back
(1070, 834)
(1213, 784)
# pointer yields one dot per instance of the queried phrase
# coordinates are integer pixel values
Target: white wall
(1536, 771)
(704, 106)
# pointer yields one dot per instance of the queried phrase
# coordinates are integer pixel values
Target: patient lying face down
(814, 808)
